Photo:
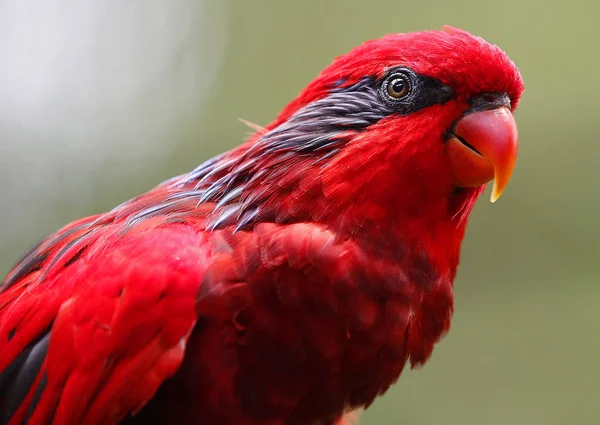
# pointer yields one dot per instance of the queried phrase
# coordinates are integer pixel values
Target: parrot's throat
(398, 199)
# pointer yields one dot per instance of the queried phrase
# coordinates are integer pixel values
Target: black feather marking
(184, 195)
(363, 84)
(24, 379)
(37, 396)
(230, 196)
(312, 132)
(63, 251)
(426, 91)
(76, 256)
(242, 185)
(209, 172)
(30, 263)
(56, 239)
(247, 218)
(9, 372)
(211, 193)
(23, 267)
(155, 210)
(226, 217)
(204, 168)
(36, 257)
(328, 155)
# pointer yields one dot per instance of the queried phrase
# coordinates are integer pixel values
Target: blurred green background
(100, 101)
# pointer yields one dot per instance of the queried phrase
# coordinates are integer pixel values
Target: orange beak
(482, 147)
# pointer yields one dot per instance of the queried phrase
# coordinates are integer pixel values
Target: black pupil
(398, 85)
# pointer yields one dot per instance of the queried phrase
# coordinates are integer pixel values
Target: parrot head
(442, 98)
(408, 126)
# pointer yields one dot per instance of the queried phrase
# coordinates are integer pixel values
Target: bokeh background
(100, 101)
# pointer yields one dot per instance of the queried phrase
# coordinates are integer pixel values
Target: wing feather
(94, 342)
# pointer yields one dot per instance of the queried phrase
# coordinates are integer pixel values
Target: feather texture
(285, 282)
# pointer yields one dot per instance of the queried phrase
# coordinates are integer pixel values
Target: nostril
(488, 100)
(488, 97)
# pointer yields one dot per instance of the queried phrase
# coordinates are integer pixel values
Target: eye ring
(397, 86)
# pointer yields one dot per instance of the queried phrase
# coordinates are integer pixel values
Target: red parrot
(285, 282)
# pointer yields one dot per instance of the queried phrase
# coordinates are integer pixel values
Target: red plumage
(284, 282)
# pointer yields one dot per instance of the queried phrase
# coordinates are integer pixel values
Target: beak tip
(496, 192)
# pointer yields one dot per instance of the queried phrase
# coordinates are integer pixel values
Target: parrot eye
(397, 86)
(403, 91)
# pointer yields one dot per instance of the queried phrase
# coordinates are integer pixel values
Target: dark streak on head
(315, 133)
(241, 185)
(424, 91)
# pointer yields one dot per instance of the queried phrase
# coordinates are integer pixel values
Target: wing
(91, 325)
(95, 316)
